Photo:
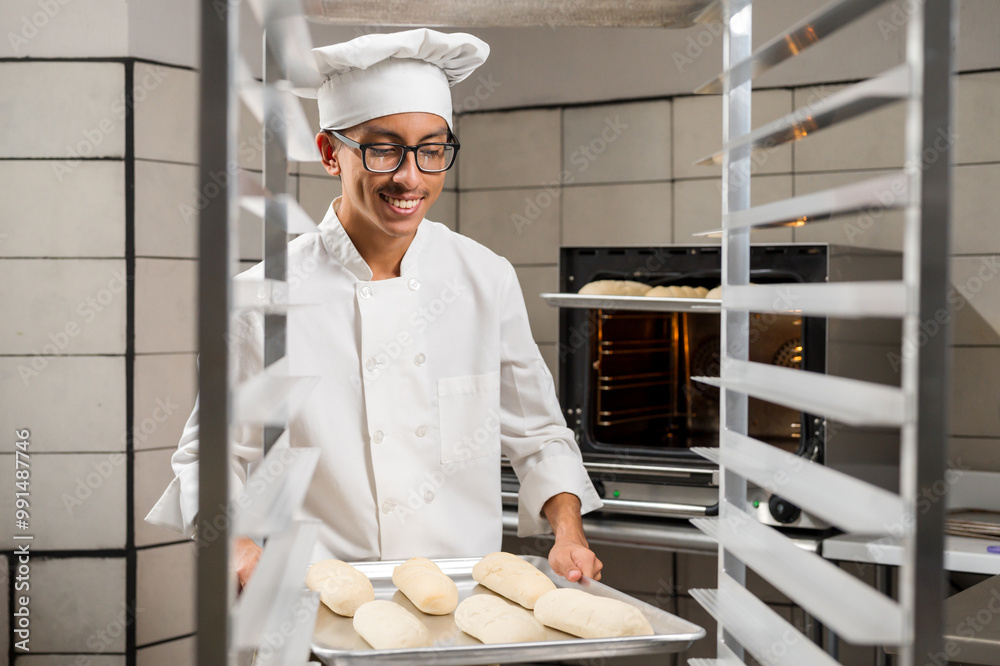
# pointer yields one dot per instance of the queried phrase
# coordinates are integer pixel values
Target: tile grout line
(130, 551)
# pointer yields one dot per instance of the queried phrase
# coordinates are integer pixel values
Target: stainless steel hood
(514, 13)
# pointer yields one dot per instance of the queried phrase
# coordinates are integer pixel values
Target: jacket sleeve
(177, 508)
(533, 432)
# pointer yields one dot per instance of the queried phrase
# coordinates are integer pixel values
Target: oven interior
(626, 376)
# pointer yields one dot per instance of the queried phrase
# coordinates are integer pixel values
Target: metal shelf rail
(850, 608)
(256, 625)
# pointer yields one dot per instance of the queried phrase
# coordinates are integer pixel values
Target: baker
(419, 337)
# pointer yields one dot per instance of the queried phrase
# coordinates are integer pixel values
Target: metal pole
(930, 41)
(735, 270)
(275, 212)
(217, 140)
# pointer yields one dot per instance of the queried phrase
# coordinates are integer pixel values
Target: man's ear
(328, 153)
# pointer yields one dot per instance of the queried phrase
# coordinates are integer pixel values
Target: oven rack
(642, 303)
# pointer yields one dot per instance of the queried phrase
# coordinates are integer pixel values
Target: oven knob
(783, 511)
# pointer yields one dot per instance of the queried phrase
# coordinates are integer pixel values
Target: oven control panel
(771, 509)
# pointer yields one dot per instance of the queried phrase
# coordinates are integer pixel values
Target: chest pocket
(469, 410)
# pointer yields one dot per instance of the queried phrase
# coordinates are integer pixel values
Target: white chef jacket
(424, 380)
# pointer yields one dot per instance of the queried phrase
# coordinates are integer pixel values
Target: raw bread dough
(493, 620)
(423, 583)
(510, 576)
(614, 288)
(388, 626)
(341, 587)
(675, 291)
(715, 293)
(662, 292)
(581, 614)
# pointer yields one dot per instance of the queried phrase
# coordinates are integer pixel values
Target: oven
(626, 375)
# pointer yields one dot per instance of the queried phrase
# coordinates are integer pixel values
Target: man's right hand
(246, 556)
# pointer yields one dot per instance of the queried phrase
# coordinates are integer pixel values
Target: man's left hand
(573, 561)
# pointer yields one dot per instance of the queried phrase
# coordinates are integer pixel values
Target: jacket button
(371, 364)
(413, 284)
(421, 431)
(388, 506)
(428, 496)
(378, 436)
(419, 359)
(365, 292)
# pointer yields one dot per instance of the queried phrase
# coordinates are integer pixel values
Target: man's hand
(573, 561)
(570, 556)
(246, 554)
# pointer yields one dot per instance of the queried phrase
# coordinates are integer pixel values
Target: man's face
(386, 203)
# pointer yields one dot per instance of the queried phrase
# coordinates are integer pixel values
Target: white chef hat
(380, 74)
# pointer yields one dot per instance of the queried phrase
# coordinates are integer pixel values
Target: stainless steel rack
(847, 606)
(918, 409)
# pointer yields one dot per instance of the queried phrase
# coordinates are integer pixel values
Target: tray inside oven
(336, 643)
(645, 303)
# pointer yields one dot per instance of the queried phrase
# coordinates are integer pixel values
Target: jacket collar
(341, 247)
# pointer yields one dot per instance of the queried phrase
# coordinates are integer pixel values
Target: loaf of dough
(614, 288)
(493, 620)
(675, 291)
(423, 583)
(510, 576)
(715, 293)
(581, 614)
(662, 292)
(388, 626)
(341, 587)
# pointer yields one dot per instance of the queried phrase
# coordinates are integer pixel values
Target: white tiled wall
(520, 224)
(52, 211)
(168, 654)
(63, 659)
(81, 603)
(35, 96)
(166, 209)
(77, 500)
(165, 305)
(166, 586)
(74, 306)
(617, 143)
(73, 403)
(164, 393)
(166, 113)
(621, 214)
(510, 149)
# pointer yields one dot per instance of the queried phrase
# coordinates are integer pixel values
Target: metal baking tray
(645, 303)
(336, 643)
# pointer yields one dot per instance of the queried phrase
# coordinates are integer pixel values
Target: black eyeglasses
(386, 157)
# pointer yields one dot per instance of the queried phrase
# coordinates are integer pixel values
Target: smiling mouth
(405, 204)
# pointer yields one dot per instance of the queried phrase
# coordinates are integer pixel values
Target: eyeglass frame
(363, 147)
